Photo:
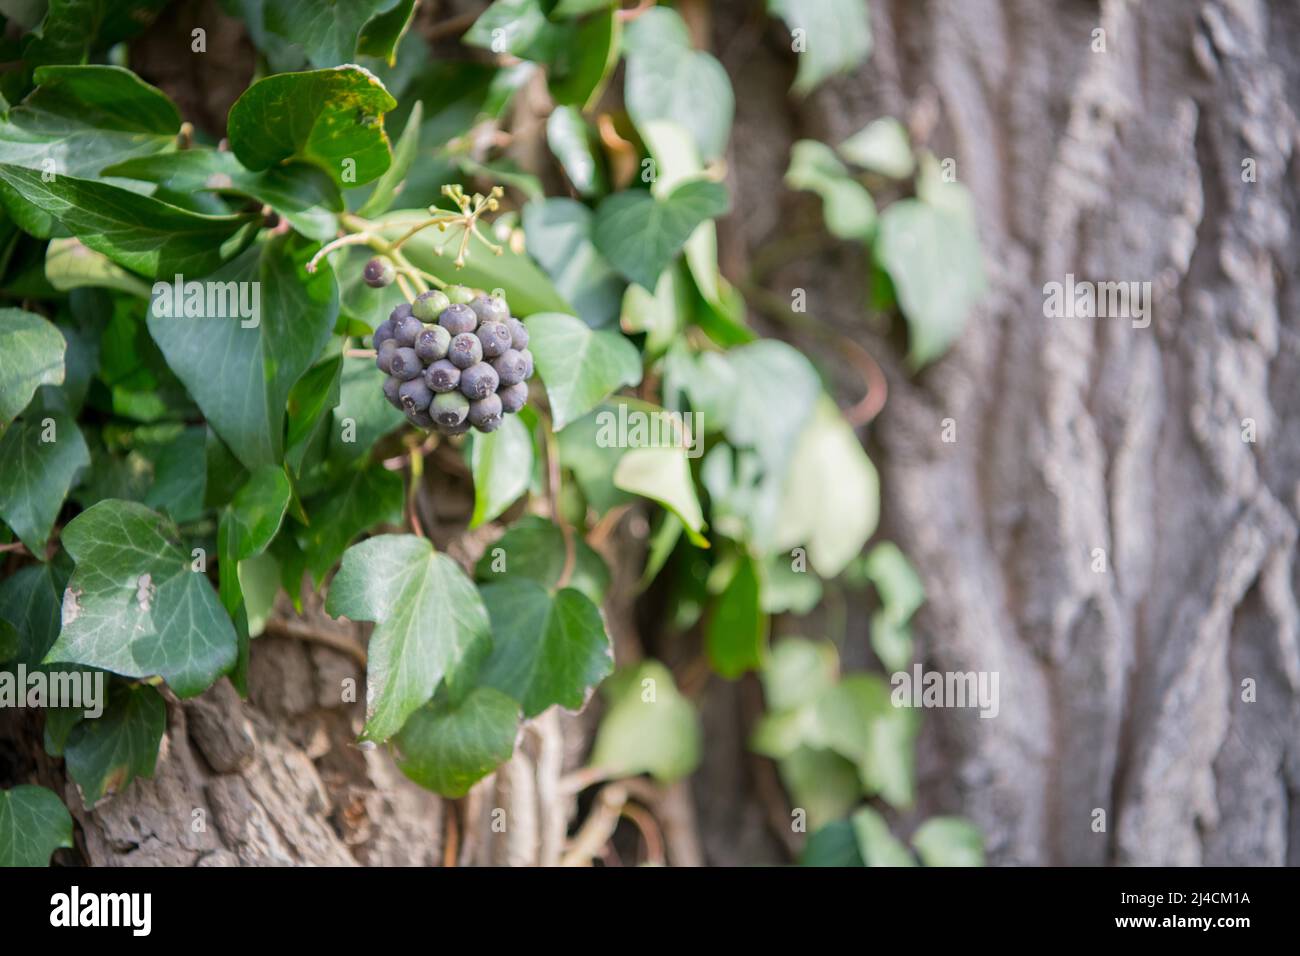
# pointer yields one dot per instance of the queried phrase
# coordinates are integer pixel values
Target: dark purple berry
(415, 395)
(399, 313)
(478, 381)
(490, 308)
(485, 414)
(442, 376)
(513, 396)
(465, 350)
(510, 367)
(421, 419)
(405, 330)
(518, 334)
(379, 273)
(383, 332)
(458, 318)
(449, 408)
(429, 305)
(392, 392)
(494, 337)
(384, 357)
(431, 344)
(405, 365)
(460, 429)
(528, 363)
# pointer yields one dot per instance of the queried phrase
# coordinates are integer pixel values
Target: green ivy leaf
(820, 782)
(798, 672)
(558, 233)
(519, 27)
(580, 366)
(180, 476)
(648, 727)
(882, 147)
(592, 51)
(31, 355)
(736, 633)
(364, 406)
(332, 118)
(42, 457)
(663, 474)
(570, 140)
(143, 234)
(359, 500)
(448, 748)
(547, 648)
(379, 38)
(135, 605)
(70, 264)
(857, 720)
(429, 620)
(849, 210)
(666, 79)
(29, 601)
(242, 376)
(303, 194)
(311, 400)
(933, 258)
(835, 844)
(677, 160)
(876, 844)
(832, 494)
(641, 235)
(106, 754)
(258, 510)
(502, 464)
(836, 35)
(33, 824)
(949, 841)
(386, 186)
(533, 548)
(327, 32)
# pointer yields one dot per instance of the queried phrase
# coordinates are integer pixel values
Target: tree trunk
(1160, 690)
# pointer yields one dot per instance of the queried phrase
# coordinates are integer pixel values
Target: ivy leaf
(822, 783)
(533, 548)
(258, 510)
(662, 474)
(876, 844)
(736, 633)
(592, 51)
(579, 365)
(640, 234)
(311, 400)
(42, 457)
(448, 748)
(546, 648)
(332, 118)
(380, 37)
(143, 234)
(558, 234)
(362, 415)
(502, 465)
(239, 373)
(106, 754)
(949, 841)
(33, 824)
(849, 210)
(327, 32)
(180, 476)
(677, 160)
(798, 672)
(428, 618)
(835, 844)
(70, 264)
(832, 494)
(933, 258)
(666, 79)
(649, 727)
(360, 499)
(135, 605)
(882, 147)
(10, 642)
(519, 27)
(303, 194)
(857, 720)
(29, 601)
(836, 37)
(570, 140)
(31, 355)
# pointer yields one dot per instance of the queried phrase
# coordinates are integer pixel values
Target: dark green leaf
(327, 32)
(533, 548)
(359, 500)
(558, 233)
(31, 355)
(592, 49)
(447, 749)
(736, 634)
(380, 37)
(641, 235)
(33, 824)
(546, 648)
(571, 142)
(580, 366)
(833, 845)
(29, 600)
(258, 509)
(386, 186)
(502, 464)
(106, 754)
(42, 457)
(428, 618)
(136, 605)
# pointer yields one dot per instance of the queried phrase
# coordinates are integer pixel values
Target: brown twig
(597, 828)
(451, 842)
(557, 514)
(645, 822)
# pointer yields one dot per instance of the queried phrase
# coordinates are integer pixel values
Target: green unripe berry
(459, 294)
(428, 305)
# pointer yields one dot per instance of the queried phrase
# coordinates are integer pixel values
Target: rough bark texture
(1121, 691)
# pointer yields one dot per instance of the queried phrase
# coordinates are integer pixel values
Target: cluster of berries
(454, 360)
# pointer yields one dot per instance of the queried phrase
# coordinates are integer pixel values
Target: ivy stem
(557, 513)
(417, 472)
